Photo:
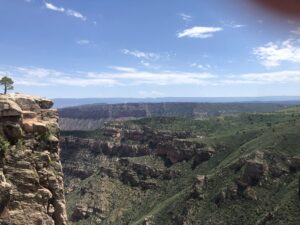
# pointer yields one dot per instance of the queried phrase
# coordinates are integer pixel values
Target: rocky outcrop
(118, 140)
(198, 187)
(178, 150)
(31, 178)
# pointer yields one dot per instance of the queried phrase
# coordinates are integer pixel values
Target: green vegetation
(4, 146)
(269, 140)
(7, 82)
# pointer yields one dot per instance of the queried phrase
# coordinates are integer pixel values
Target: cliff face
(31, 178)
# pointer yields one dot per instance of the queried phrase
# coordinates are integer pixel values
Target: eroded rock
(31, 183)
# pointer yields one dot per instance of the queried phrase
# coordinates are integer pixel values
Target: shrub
(4, 145)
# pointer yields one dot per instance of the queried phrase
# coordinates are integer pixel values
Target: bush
(4, 145)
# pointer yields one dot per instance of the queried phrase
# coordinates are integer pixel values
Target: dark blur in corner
(285, 8)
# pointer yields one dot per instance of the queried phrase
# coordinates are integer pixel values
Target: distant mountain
(89, 117)
(67, 102)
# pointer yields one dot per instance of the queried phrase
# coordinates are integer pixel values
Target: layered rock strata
(31, 178)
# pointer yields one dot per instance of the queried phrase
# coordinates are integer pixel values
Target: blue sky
(142, 48)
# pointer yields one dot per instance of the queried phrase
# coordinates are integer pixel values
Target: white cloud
(141, 55)
(68, 12)
(83, 82)
(201, 66)
(127, 76)
(199, 32)
(76, 14)
(273, 54)
(264, 78)
(35, 72)
(185, 17)
(156, 78)
(144, 63)
(83, 42)
(124, 69)
(53, 7)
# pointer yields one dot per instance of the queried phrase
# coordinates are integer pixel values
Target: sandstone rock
(29, 102)
(9, 108)
(39, 128)
(31, 191)
(5, 195)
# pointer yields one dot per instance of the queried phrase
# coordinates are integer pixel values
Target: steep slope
(223, 170)
(31, 179)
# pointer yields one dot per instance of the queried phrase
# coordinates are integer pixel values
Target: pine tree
(7, 82)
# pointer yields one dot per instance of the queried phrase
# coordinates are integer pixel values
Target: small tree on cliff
(7, 83)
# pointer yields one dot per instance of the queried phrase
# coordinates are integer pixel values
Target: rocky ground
(31, 178)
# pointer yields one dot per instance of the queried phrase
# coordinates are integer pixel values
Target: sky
(143, 48)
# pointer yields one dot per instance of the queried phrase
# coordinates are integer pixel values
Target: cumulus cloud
(273, 54)
(68, 12)
(199, 32)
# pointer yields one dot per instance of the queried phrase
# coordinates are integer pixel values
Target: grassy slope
(247, 135)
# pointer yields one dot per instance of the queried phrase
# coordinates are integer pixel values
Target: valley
(222, 169)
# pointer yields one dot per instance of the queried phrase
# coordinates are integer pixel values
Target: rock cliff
(31, 178)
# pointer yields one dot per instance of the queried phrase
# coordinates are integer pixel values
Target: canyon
(230, 165)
